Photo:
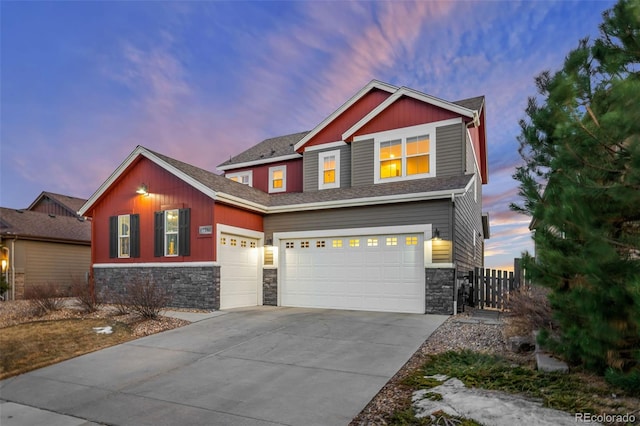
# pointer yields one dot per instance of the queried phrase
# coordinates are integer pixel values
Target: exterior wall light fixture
(143, 189)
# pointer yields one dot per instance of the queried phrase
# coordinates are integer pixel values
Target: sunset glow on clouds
(83, 83)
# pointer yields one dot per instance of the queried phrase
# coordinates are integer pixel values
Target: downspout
(453, 251)
(13, 268)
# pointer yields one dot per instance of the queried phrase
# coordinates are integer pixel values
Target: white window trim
(402, 135)
(248, 173)
(284, 179)
(321, 158)
(177, 233)
(120, 236)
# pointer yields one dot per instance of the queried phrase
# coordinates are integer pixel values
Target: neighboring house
(44, 248)
(377, 208)
(57, 204)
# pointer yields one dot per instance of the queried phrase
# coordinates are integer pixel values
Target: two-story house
(376, 208)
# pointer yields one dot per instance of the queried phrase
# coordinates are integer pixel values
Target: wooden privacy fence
(490, 287)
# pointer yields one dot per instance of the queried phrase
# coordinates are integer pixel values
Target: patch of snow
(103, 330)
(487, 407)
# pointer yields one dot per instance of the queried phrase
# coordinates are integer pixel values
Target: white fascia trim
(240, 202)
(326, 146)
(140, 150)
(404, 91)
(156, 265)
(366, 89)
(107, 183)
(358, 202)
(260, 162)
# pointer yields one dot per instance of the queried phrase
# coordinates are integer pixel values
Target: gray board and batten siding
(436, 212)
(311, 167)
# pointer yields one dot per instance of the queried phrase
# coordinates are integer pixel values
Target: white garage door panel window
(239, 273)
(380, 273)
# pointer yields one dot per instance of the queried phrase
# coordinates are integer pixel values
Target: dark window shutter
(134, 239)
(158, 243)
(184, 222)
(113, 236)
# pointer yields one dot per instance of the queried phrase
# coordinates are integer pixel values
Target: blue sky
(83, 83)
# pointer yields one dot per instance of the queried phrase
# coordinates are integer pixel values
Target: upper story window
(277, 179)
(405, 157)
(329, 169)
(172, 232)
(407, 153)
(124, 236)
(245, 177)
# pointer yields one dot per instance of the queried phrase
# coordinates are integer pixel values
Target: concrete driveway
(257, 366)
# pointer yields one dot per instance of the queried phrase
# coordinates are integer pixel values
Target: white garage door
(373, 272)
(239, 273)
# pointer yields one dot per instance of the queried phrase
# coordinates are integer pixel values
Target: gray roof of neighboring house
(268, 148)
(26, 224)
(72, 204)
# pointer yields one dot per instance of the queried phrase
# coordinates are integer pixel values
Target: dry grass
(31, 340)
(25, 347)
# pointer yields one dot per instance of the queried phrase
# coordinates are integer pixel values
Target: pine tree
(580, 182)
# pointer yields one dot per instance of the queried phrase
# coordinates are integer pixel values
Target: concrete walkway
(258, 366)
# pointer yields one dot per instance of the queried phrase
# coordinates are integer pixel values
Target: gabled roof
(374, 84)
(71, 204)
(405, 91)
(268, 151)
(215, 186)
(227, 191)
(26, 224)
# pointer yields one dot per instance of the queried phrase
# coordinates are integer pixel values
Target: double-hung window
(172, 232)
(278, 179)
(407, 153)
(124, 236)
(329, 169)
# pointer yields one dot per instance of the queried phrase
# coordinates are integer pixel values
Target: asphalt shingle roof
(268, 148)
(222, 184)
(37, 225)
(471, 103)
(72, 204)
(216, 182)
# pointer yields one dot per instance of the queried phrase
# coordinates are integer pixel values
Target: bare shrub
(118, 300)
(86, 295)
(146, 298)
(529, 309)
(44, 298)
